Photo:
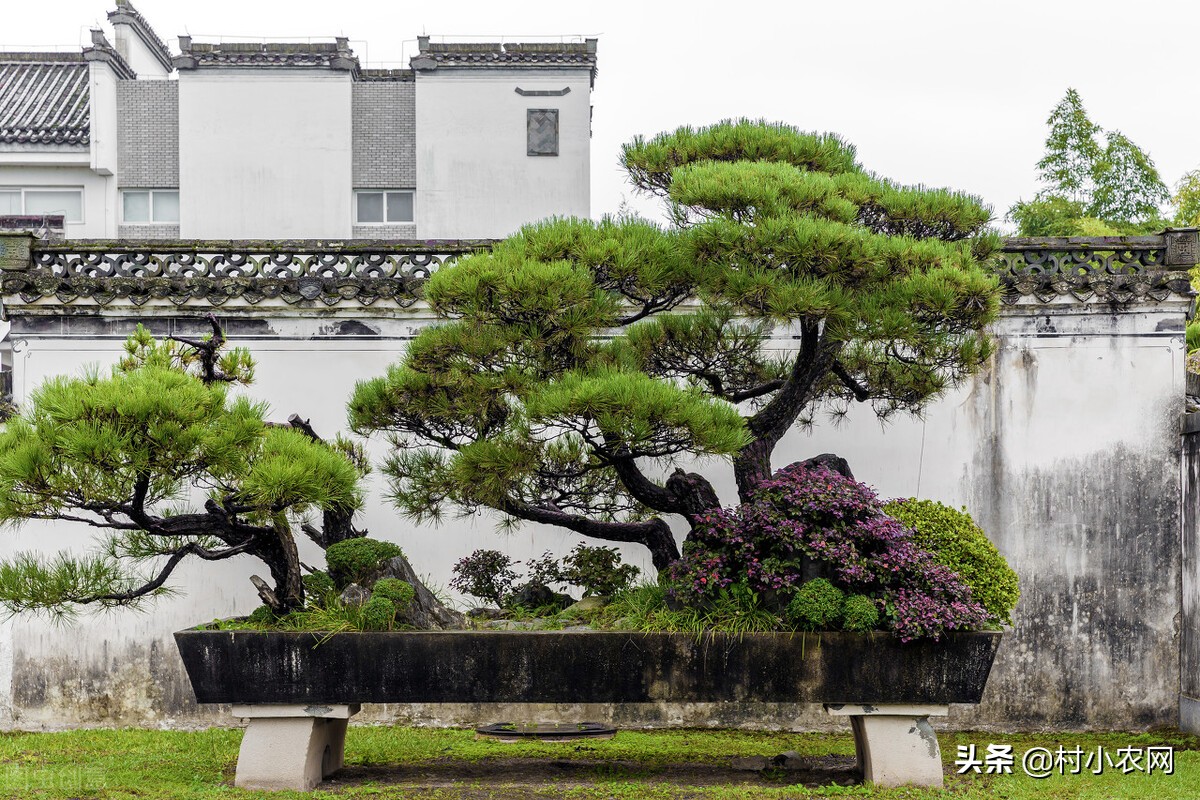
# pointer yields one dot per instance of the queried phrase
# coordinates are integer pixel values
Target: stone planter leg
(896, 745)
(291, 746)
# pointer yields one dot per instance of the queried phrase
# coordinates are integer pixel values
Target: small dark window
(542, 131)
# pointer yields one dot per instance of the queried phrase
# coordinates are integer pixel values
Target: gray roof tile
(44, 99)
(441, 55)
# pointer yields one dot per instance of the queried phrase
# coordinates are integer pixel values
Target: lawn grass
(438, 763)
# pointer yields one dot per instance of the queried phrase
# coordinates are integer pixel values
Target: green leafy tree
(1128, 187)
(125, 453)
(579, 361)
(1089, 189)
(1187, 200)
(1067, 170)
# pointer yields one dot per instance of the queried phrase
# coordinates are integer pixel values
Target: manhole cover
(546, 731)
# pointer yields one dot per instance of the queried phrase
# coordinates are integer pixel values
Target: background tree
(1187, 200)
(1089, 189)
(1067, 170)
(125, 453)
(580, 361)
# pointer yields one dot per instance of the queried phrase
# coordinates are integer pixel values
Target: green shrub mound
(859, 614)
(353, 560)
(959, 544)
(401, 593)
(378, 614)
(817, 606)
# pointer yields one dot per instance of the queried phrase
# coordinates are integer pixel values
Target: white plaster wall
(264, 154)
(474, 178)
(99, 194)
(137, 54)
(103, 107)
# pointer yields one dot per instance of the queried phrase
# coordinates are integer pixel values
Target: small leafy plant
(598, 570)
(485, 574)
(489, 575)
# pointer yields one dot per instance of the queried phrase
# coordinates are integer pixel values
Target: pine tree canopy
(580, 361)
(129, 453)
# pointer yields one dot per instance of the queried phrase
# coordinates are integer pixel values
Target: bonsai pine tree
(580, 363)
(127, 453)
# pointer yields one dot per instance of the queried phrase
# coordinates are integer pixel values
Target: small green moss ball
(401, 593)
(860, 614)
(817, 606)
(958, 543)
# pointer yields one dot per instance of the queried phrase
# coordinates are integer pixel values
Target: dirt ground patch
(534, 777)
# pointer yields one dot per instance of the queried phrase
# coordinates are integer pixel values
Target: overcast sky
(943, 92)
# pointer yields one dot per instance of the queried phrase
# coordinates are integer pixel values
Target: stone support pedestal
(291, 746)
(895, 744)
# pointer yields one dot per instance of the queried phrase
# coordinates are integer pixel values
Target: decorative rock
(355, 595)
(788, 759)
(751, 763)
(590, 603)
(536, 595)
(485, 613)
(508, 625)
(425, 612)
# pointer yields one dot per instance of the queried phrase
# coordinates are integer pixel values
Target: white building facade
(288, 141)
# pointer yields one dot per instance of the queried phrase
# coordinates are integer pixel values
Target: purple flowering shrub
(807, 521)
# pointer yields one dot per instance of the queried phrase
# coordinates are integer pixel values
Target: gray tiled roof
(44, 98)
(438, 55)
(331, 55)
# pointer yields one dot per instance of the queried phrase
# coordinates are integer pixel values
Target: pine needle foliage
(581, 361)
(127, 453)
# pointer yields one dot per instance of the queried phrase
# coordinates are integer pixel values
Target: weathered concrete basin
(299, 689)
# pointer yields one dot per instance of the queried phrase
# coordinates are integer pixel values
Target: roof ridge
(126, 13)
(101, 50)
(333, 55)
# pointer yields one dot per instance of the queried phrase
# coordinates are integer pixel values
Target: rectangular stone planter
(316, 677)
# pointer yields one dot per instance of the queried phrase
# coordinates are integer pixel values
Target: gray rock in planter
(425, 612)
(508, 625)
(355, 595)
(590, 603)
(485, 613)
(536, 595)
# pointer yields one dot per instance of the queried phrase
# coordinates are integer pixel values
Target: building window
(34, 202)
(541, 131)
(382, 207)
(150, 205)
